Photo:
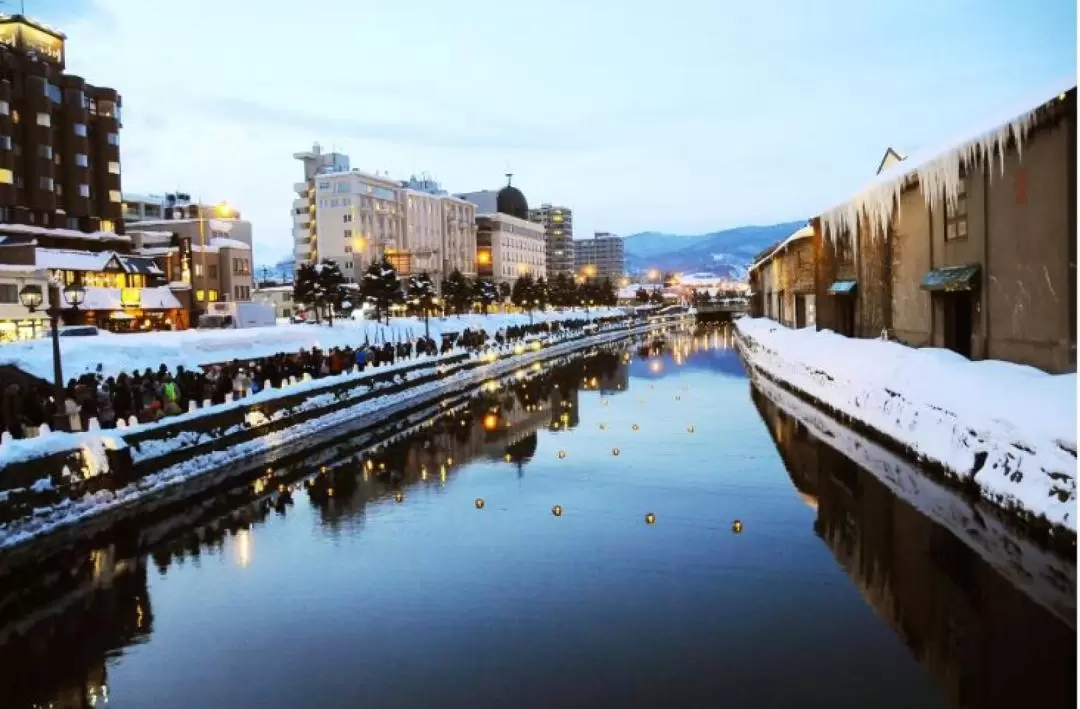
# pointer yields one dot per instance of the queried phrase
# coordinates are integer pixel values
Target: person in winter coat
(361, 358)
(12, 410)
(72, 411)
(106, 414)
(240, 384)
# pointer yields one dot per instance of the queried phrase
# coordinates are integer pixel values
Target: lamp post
(31, 298)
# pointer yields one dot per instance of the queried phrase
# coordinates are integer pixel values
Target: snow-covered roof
(63, 259)
(218, 243)
(16, 269)
(158, 250)
(801, 233)
(63, 233)
(109, 299)
(937, 166)
(147, 234)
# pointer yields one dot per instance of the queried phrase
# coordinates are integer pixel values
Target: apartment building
(59, 136)
(305, 229)
(360, 217)
(508, 247)
(600, 257)
(558, 223)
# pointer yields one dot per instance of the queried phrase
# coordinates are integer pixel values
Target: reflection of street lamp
(31, 298)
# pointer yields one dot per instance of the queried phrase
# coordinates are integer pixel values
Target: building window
(9, 293)
(45, 183)
(73, 223)
(80, 129)
(114, 196)
(45, 151)
(114, 139)
(52, 93)
(44, 119)
(5, 142)
(213, 295)
(956, 226)
(81, 160)
(7, 177)
(59, 190)
(15, 118)
(114, 167)
(84, 191)
(211, 270)
(107, 225)
(5, 108)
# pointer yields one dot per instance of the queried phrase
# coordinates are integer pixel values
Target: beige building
(358, 218)
(281, 297)
(558, 225)
(508, 247)
(600, 257)
(305, 229)
(221, 257)
(459, 235)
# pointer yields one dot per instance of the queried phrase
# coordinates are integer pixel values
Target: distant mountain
(725, 253)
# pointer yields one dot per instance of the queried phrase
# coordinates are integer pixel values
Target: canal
(642, 527)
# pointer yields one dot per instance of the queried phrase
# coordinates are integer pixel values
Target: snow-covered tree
(656, 297)
(485, 293)
(420, 296)
(329, 288)
(457, 292)
(641, 296)
(607, 294)
(380, 287)
(522, 294)
(304, 287)
(541, 293)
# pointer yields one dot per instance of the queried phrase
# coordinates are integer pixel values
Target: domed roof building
(511, 201)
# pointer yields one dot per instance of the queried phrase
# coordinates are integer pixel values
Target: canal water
(641, 528)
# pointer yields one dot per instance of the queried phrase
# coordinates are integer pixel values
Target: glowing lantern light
(650, 518)
(479, 503)
(736, 526)
(635, 427)
(491, 422)
(614, 451)
(557, 510)
(603, 427)
(690, 428)
(562, 454)
(508, 458)
(399, 496)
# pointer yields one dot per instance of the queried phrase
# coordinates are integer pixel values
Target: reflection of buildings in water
(614, 380)
(54, 654)
(987, 643)
(563, 402)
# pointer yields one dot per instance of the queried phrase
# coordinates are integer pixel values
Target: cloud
(493, 136)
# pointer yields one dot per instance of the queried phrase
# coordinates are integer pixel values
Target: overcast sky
(682, 116)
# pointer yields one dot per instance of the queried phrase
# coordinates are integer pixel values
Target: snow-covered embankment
(1007, 429)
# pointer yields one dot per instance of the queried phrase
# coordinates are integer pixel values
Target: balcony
(300, 188)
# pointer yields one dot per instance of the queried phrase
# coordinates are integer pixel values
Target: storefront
(15, 330)
(134, 309)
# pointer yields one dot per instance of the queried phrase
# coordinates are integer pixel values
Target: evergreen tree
(607, 294)
(642, 296)
(304, 287)
(700, 298)
(421, 297)
(560, 291)
(485, 293)
(380, 287)
(329, 288)
(522, 294)
(656, 297)
(541, 293)
(504, 291)
(457, 292)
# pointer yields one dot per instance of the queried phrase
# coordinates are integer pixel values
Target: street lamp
(31, 297)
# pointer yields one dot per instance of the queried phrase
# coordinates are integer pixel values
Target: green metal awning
(951, 278)
(842, 288)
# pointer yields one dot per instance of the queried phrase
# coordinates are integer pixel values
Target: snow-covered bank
(197, 467)
(1044, 577)
(193, 348)
(1009, 429)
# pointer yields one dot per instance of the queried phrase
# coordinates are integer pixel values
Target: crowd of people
(140, 397)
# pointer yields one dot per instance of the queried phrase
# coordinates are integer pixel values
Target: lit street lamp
(74, 295)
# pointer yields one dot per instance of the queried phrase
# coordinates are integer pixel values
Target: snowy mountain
(725, 253)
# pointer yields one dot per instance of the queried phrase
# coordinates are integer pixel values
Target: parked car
(81, 331)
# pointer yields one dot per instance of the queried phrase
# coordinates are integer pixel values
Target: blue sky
(683, 116)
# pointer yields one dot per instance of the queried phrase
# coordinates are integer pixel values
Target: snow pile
(192, 348)
(938, 167)
(1010, 427)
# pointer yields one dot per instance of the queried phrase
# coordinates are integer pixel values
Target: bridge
(724, 310)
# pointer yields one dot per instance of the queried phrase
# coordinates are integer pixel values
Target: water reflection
(990, 616)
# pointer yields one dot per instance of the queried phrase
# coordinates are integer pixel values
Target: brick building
(782, 281)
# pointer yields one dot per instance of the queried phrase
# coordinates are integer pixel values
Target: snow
(192, 348)
(1046, 578)
(98, 298)
(71, 511)
(799, 234)
(63, 233)
(937, 166)
(220, 242)
(948, 410)
(64, 259)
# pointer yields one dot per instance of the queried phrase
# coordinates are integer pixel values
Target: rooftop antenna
(509, 178)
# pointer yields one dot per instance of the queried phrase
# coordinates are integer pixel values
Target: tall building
(305, 229)
(508, 245)
(558, 225)
(360, 217)
(59, 136)
(600, 257)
